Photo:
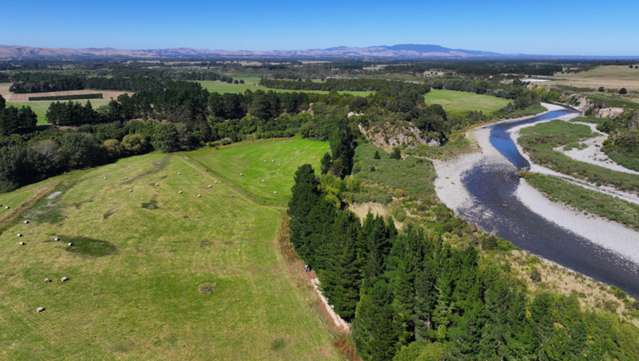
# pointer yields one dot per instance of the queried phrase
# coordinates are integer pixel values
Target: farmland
(167, 258)
(252, 84)
(608, 76)
(40, 107)
(458, 102)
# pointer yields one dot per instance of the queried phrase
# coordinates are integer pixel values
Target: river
(497, 209)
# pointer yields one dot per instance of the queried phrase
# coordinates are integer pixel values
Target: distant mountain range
(401, 51)
(381, 52)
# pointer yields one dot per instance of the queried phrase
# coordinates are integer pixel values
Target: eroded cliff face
(389, 135)
(588, 107)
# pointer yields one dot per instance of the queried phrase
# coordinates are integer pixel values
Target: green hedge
(68, 97)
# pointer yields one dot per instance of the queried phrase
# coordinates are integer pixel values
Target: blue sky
(585, 27)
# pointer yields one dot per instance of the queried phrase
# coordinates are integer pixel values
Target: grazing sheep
(70, 244)
(64, 279)
(209, 186)
(40, 309)
(6, 207)
(21, 243)
(19, 235)
(180, 192)
(56, 238)
(26, 221)
(199, 196)
(47, 280)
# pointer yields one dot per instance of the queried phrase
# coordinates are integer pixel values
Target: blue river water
(498, 210)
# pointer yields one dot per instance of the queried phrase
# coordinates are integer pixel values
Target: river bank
(484, 187)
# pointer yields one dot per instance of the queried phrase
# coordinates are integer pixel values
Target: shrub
(135, 144)
(396, 153)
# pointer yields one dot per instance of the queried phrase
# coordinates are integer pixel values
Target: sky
(560, 27)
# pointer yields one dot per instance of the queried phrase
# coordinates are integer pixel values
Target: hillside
(167, 259)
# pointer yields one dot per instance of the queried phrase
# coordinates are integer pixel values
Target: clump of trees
(16, 120)
(411, 296)
(340, 161)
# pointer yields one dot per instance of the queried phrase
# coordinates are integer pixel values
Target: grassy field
(252, 83)
(539, 142)
(608, 76)
(411, 176)
(592, 202)
(457, 102)
(162, 266)
(41, 107)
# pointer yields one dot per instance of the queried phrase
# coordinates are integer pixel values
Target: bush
(535, 276)
(135, 144)
(165, 138)
(112, 148)
(396, 153)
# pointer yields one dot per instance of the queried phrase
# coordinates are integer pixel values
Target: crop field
(608, 76)
(253, 84)
(173, 255)
(458, 102)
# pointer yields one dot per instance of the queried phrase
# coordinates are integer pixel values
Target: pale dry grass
(608, 76)
(14, 97)
(592, 294)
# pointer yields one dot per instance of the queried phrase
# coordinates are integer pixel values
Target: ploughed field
(169, 257)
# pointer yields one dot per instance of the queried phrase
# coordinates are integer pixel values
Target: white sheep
(40, 309)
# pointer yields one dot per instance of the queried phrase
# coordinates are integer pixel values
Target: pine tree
(342, 149)
(403, 265)
(425, 298)
(326, 163)
(342, 279)
(374, 329)
(377, 241)
(504, 313)
(319, 244)
(305, 195)
(442, 314)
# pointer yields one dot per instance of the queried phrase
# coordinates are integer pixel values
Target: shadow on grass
(89, 247)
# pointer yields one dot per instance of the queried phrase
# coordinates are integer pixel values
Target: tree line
(37, 82)
(16, 120)
(411, 296)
